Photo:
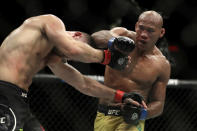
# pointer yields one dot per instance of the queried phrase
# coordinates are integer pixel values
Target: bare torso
(23, 53)
(139, 77)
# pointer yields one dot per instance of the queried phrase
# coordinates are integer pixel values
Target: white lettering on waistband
(24, 95)
(2, 120)
(113, 112)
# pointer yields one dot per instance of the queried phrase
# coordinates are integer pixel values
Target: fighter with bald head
(39, 42)
(146, 77)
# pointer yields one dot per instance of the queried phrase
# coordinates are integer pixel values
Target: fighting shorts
(15, 113)
(114, 122)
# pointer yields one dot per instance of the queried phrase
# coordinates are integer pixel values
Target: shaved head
(151, 16)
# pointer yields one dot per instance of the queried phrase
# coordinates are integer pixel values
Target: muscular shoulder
(163, 61)
(164, 67)
(42, 21)
(160, 57)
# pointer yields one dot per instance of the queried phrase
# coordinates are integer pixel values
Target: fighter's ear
(162, 32)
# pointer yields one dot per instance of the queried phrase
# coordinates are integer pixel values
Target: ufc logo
(113, 112)
(2, 120)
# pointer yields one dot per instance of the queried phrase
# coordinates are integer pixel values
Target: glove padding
(114, 57)
(133, 95)
(117, 60)
(132, 113)
(123, 43)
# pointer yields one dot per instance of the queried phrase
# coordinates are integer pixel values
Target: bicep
(56, 34)
(54, 29)
(158, 91)
(121, 31)
(101, 38)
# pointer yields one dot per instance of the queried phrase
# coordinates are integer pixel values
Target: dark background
(180, 19)
(60, 109)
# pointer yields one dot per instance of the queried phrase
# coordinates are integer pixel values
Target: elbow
(154, 115)
(162, 108)
(160, 112)
(155, 110)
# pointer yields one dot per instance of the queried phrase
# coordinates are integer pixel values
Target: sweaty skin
(149, 71)
(29, 48)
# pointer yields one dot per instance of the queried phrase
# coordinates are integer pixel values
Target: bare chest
(140, 75)
(144, 71)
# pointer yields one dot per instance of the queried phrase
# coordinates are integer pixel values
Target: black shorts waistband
(110, 110)
(10, 88)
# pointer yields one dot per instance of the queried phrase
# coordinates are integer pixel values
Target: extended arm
(83, 83)
(80, 82)
(71, 48)
(102, 37)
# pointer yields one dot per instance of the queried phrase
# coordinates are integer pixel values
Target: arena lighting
(173, 48)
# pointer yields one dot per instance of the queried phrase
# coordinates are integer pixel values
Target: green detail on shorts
(20, 129)
(139, 127)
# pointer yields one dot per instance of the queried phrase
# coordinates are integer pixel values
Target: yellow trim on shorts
(115, 123)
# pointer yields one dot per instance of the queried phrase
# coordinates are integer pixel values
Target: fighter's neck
(145, 52)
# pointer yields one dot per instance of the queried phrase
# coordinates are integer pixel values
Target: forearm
(87, 54)
(82, 83)
(154, 109)
(67, 73)
(75, 49)
(96, 89)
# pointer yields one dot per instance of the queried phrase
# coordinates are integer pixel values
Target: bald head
(153, 17)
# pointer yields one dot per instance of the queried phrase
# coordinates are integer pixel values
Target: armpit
(57, 52)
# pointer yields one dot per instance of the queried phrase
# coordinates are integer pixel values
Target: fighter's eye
(141, 27)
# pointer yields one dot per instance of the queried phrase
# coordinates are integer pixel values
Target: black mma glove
(132, 113)
(120, 96)
(113, 57)
(123, 43)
